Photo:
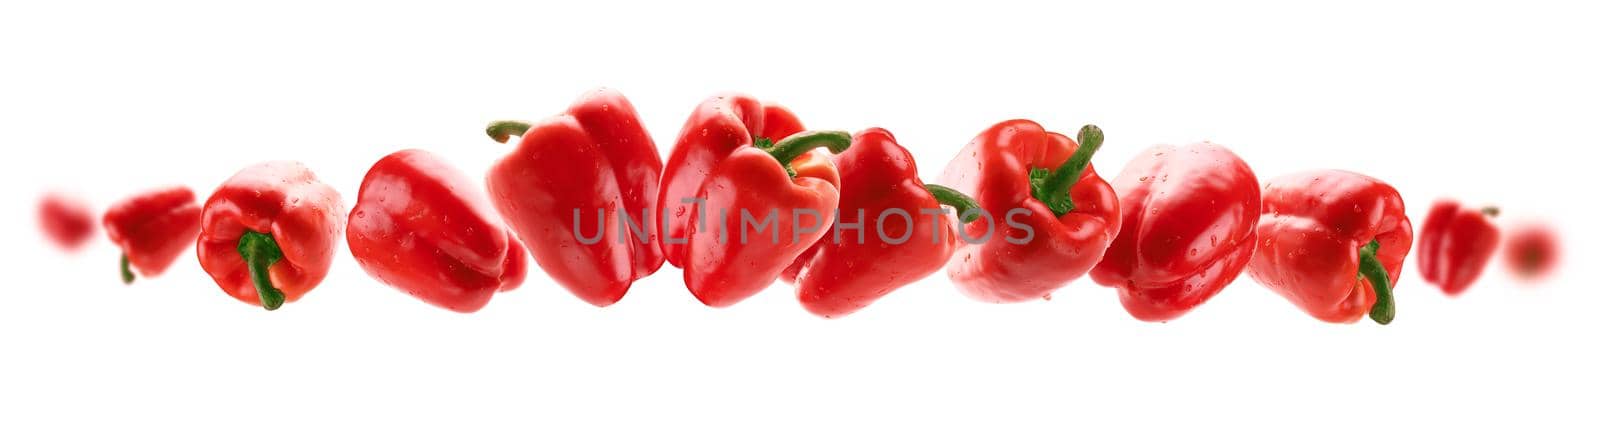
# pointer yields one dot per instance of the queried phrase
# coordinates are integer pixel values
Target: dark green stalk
(127, 271)
(792, 146)
(501, 131)
(1372, 270)
(963, 204)
(260, 252)
(1054, 188)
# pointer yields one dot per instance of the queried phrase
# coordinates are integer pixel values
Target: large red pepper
(900, 232)
(1048, 215)
(421, 226)
(761, 208)
(1332, 242)
(1455, 245)
(593, 164)
(267, 234)
(153, 228)
(66, 221)
(1188, 228)
(717, 128)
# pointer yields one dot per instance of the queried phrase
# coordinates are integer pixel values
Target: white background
(1488, 104)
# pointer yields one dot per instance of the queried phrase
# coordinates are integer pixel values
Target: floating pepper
(1332, 242)
(762, 207)
(1532, 251)
(716, 129)
(153, 228)
(900, 231)
(267, 234)
(66, 221)
(1047, 217)
(596, 165)
(1455, 245)
(421, 226)
(1188, 228)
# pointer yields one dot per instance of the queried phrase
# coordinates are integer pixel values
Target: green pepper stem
(127, 271)
(260, 252)
(1055, 189)
(502, 130)
(790, 147)
(950, 197)
(1371, 269)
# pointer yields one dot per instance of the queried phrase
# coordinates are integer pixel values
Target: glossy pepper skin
(421, 226)
(66, 221)
(716, 129)
(267, 235)
(1032, 183)
(849, 269)
(727, 260)
(1189, 219)
(568, 169)
(153, 228)
(1455, 245)
(1332, 242)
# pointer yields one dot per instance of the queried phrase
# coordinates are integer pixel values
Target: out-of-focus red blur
(67, 221)
(1532, 250)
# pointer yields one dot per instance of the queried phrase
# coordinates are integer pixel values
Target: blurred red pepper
(267, 234)
(897, 241)
(760, 189)
(421, 226)
(153, 228)
(1332, 242)
(1532, 250)
(595, 162)
(1455, 245)
(1048, 216)
(1188, 228)
(66, 221)
(717, 128)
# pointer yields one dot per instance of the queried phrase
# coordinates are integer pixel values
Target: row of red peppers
(1176, 225)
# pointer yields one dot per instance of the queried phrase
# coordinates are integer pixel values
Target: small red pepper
(717, 128)
(1532, 251)
(421, 226)
(752, 223)
(66, 220)
(595, 162)
(153, 228)
(1455, 245)
(902, 234)
(1047, 216)
(1188, 229)
(267, 234)
(1332, 242)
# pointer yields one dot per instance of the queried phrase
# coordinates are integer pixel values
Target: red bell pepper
(717, 128)
(66, 221)
(153, 228)
(1049, 216)
(1332, 242)
(419, 225)
(1532, 251)
(595, 162)
(750, 225)
(267, 234)
(1455, 245)
(896, 241)
(1188, 228)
